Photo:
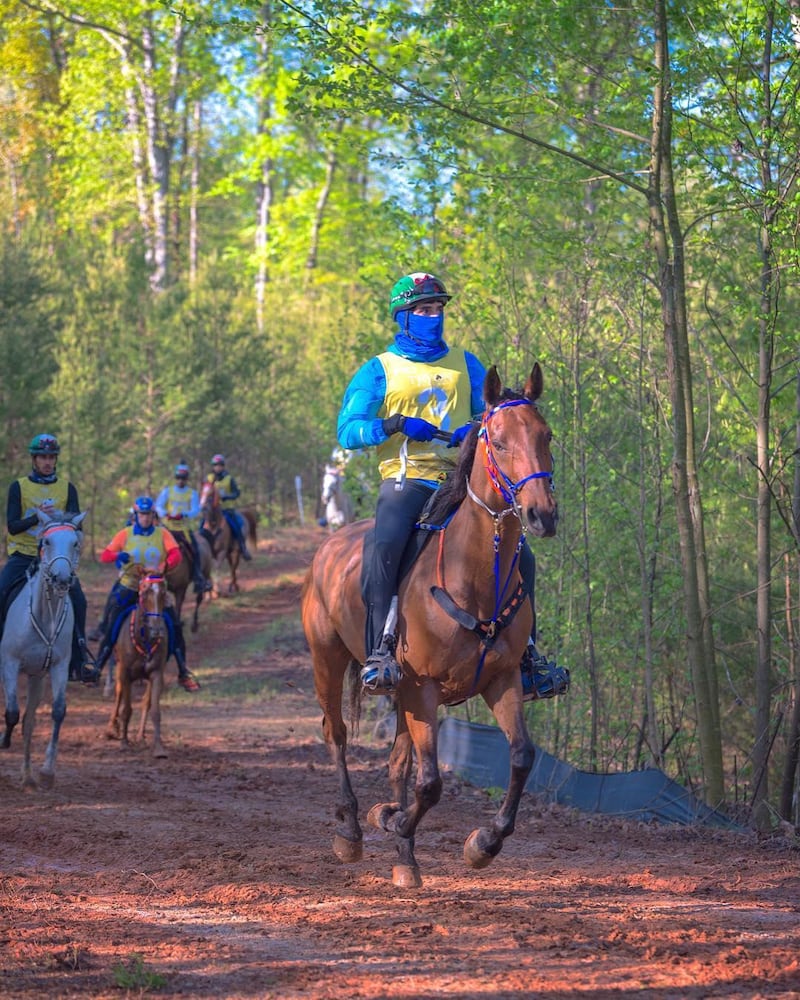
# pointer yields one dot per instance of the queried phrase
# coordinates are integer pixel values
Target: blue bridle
(506, 487)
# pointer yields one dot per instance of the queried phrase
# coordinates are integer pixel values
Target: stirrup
(542, 678)
(381, 672)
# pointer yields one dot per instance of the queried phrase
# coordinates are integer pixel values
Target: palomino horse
(463, 637)
(181, 577)
(37, 638)
(225, 545)
(339, 509)
(141, 654)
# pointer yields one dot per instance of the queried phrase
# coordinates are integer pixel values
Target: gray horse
(37, 638)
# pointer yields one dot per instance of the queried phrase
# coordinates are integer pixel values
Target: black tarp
(479, 754)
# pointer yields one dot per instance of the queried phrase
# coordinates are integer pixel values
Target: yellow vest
(179, 501)
(145, 550)
(437, 391)
(224, 486)
(33, 495)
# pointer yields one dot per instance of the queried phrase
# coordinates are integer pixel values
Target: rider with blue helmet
(141, 547)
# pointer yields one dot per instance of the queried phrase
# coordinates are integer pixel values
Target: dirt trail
(211, 874)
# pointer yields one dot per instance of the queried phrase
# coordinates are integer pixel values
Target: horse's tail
(252, 521)
(354, 677)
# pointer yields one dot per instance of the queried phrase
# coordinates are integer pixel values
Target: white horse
(339, 508)
(37, 638)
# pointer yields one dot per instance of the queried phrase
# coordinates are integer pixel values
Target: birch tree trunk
(669, 250)
(264, 186)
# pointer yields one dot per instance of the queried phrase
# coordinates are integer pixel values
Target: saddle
(185, 545)
(487, 629)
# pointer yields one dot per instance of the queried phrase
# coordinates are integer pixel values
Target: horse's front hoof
(347, 851)
(380, 816)
(160, 753)
(5, 742)
(477, 856)
(46, 779)
(406, 877)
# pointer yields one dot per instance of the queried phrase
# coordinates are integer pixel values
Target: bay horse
(141, 654)
(181, 577)
(501, 489)
(339, 509)
(37, 639)
(225, 545)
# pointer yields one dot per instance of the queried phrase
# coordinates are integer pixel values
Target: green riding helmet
(414, 289)
(44, 444)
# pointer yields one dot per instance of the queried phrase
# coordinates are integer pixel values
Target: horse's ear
(535, 383)
(492, 387)
(78, 519)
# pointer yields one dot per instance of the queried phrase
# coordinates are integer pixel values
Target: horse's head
(514, 442)
(152, 600)
(210, 504)
(330, 483)
(60, 548)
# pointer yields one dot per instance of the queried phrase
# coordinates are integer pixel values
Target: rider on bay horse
(141, 546)
(178, 507)
(228, 494)
(398, 402)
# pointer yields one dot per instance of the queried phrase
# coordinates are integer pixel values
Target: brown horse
(141, 654)
(181, 577)
(225, 545)
(503, 489)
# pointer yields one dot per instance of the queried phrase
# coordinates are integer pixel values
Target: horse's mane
(454, 489)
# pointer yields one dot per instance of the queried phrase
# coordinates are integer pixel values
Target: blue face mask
(427, 329)
(420, 337)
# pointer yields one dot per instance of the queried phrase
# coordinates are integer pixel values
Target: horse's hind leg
(416, 726)
(485, 843)
(196, 616)
(58, 683)
(331, 659)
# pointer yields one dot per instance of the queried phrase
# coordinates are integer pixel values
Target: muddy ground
(211, 874)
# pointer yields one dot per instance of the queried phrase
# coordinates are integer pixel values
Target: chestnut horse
(502, 489)
(141, 654)
(225, 545)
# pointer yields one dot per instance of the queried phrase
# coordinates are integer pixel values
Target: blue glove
(459, 434)
(418, 429)
(122, 558)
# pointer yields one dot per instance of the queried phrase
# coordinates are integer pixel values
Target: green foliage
(134, 975)
(503, 145)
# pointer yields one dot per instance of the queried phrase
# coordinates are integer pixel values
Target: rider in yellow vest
(228, 494)
(141, 546)
(41, 490)
(411, 403)
(178, 507)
